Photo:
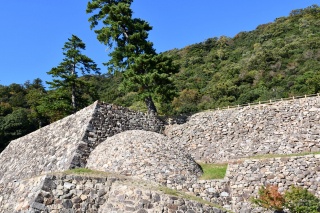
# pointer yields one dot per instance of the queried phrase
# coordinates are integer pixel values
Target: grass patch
(183, 195)
(85, 171)
(213, 171)
(266, 156)
(169, 191)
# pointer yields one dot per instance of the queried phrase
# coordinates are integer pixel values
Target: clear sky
(34, 31)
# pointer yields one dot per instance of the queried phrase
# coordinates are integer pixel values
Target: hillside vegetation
(276, 60)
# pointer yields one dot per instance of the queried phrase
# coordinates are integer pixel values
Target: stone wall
(55, 193)
(128, 198)
(67, 143)
(244, 178)
(247, 177)
(218, 136)
(282, 127)
(48, 149)
(18, 196)
(109, 120)
(215, 191)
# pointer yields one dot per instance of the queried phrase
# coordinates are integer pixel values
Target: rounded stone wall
(146, 155)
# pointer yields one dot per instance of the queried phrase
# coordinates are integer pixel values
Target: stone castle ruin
(147, 166)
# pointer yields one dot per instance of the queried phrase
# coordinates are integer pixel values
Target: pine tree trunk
(152, 110)
(73, 99)
(73, 90)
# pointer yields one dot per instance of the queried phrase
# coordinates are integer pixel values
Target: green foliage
(66, 75)
(13, 95)
(299, 200)
(149, 75)
(277, 60)
(106, 86)
(270, 198)
(296, 199)
(56, 104)
(17, 115)
(145, 72)
(187, 101)
(14, 125)
(5, 108)
(35, 92)
(213, 171)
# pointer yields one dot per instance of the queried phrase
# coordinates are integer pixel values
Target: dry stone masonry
(248, 176)
(145, 155)
(19, 196)
(283, 127)
(96, 193)
(48, 149)
(109, 120)
(130, 144)
(245, 177)
(67, 143)
(130, 198)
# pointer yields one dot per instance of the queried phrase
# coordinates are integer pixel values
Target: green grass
(183, 195)
(266, 156)
(169, 191)
(81, 170)
(213, 171)
(85, 171)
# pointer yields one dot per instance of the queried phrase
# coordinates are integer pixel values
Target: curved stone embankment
(145, 155)
(56, 193)
(283, 127)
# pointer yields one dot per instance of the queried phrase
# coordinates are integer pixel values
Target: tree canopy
(145, 72)
(66, 75)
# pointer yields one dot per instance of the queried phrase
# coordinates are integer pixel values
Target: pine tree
(145, 71)
(66, 75)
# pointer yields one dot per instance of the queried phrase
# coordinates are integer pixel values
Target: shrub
(299, 200)
(270, 198)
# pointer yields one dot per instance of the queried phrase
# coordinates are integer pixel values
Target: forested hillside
(277, 60)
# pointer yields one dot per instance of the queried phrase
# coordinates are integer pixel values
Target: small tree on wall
(145, 72)
(270, 198)
(296, 199)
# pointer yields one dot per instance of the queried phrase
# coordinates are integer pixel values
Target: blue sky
(34, 31)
